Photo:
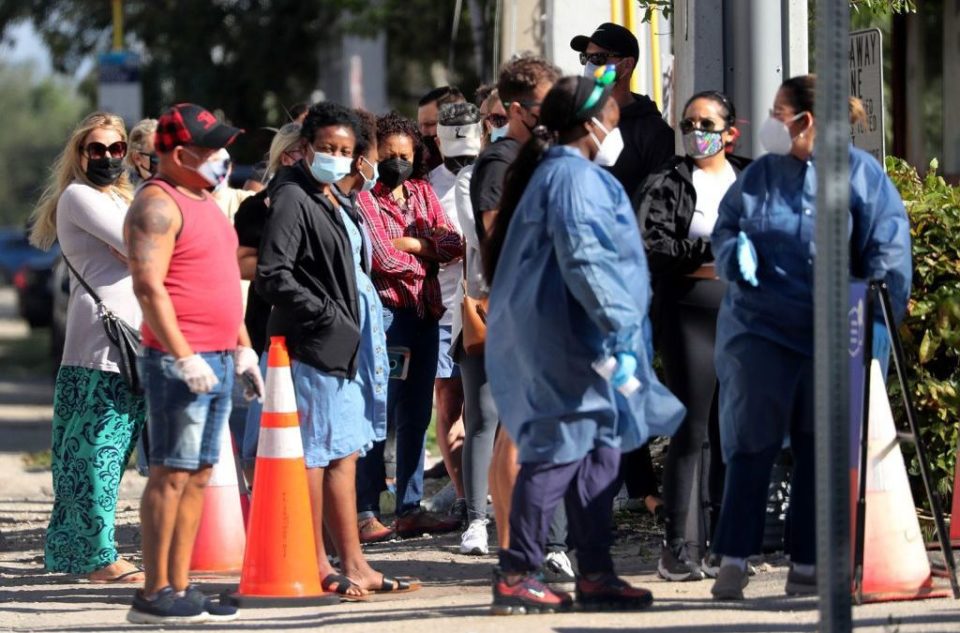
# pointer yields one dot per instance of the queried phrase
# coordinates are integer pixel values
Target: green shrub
(931, 329)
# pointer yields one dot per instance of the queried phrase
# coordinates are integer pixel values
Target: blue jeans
(409, 408)
(184, 427)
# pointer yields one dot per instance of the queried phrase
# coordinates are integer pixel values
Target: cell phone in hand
(399, 361)
(250, 384)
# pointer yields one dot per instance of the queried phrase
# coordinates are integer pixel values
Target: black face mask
(105, 171)
(433, 155)
(395, 171)
(456, 163)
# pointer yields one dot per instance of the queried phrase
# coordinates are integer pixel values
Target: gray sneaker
(557, 572)
(730, 583)
(673, 567)
(800, 584)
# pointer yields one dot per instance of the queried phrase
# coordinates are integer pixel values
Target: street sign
(119, 89)
(866, 83)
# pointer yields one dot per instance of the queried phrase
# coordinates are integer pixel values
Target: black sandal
(400, 584)
(340, 584)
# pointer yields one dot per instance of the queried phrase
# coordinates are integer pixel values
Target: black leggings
(686, 341)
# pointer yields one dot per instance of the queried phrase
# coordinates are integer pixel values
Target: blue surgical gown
(774, 203)
(572, 286)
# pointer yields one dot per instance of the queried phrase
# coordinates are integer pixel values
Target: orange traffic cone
(280, 563)
(221, 538)
(895, 563)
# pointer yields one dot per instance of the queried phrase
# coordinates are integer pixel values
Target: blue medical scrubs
(571, 287)
(764, 350)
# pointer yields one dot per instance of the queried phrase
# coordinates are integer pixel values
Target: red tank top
(204, 277)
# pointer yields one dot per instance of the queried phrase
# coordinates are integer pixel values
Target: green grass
(38, 461)
(28, 357)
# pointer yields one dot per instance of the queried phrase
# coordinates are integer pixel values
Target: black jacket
(306, 271)
(667, 204)
(648, 143)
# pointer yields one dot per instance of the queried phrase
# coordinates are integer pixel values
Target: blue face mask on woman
(370, 183)
(329, 169)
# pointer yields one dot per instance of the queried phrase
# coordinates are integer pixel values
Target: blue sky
(27, 46)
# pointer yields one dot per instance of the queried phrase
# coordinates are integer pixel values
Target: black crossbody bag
(124, 336)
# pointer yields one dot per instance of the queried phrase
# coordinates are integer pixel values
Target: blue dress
(572, 286)
(341, 416)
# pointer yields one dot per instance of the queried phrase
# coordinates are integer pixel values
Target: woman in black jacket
(678, 207)
(314, 269)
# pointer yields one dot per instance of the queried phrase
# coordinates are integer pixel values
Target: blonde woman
(141, 159)
(96, 418)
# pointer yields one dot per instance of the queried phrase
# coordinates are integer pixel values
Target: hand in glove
(626, 368)
(195, 371)
(246, 363)
(881, 343)
(747, 258)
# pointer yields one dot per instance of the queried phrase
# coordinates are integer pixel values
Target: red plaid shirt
(404, 280)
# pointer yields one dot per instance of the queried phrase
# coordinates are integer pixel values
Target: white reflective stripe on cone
(280, 397)
(282, 443)
(225, 470)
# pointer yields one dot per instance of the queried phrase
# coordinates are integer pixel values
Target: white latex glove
(195, 371)
(247, 365)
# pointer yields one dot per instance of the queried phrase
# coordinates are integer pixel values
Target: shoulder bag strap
(83, 282)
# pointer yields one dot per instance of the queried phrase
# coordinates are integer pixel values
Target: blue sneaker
(166, 608)
(217, 611)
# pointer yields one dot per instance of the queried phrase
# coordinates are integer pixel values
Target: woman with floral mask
(764, 247)
(96, 416)
(314, 269)
(410, 237)
(569, 286)
(678, 208)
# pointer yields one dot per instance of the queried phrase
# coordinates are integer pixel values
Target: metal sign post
(831, 306)
(866, 84)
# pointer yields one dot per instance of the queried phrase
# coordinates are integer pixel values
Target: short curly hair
(395, 124)
(329, 114)
(520, 76)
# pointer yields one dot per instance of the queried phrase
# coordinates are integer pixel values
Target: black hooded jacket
(648, 142)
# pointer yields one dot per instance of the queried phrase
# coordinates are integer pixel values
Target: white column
(951, 87)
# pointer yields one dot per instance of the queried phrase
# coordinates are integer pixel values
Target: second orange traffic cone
(221, 538)
(895, 563)
(280, 563)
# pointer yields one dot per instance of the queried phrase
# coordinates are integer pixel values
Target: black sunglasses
(597, 59)
(97, 150)
(705, 125)
(496, 120)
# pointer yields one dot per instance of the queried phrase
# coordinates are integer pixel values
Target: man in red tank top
(183, 260)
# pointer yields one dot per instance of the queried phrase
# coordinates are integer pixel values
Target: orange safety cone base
(226, 558)
(264, 602)
(924, 593)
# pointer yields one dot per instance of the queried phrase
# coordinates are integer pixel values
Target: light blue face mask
(498, 133)
(330, 169)
(590, 70)
(370, 183)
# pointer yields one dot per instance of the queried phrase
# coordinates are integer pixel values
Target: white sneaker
(474, 540)
(558, 572)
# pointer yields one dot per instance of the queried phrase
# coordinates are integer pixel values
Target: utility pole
(831, 306)
(117, 25)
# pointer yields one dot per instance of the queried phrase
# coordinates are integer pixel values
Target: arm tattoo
(147, 221)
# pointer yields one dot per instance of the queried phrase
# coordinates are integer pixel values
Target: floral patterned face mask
(702, 144)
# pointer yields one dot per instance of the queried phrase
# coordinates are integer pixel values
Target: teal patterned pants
(96, 422)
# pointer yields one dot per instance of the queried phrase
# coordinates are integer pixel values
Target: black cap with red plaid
(189, 124)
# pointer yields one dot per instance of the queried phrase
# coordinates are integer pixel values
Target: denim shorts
(446, 366)
(184, 427)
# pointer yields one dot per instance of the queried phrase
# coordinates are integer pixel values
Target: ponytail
(518, 176)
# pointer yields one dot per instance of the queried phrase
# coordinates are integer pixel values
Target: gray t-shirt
(89, 222)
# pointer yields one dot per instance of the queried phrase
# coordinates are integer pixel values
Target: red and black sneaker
(527, 595)
(611, 593)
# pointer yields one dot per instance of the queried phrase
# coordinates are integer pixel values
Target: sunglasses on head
(705, 125)
(97, 150)
(597, 59)
(496, 120)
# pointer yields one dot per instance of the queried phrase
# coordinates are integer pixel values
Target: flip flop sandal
(340, 584)
(125, 577)
(398, 584)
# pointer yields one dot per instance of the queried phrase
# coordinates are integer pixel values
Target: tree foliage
(879, 7)
(38, 117)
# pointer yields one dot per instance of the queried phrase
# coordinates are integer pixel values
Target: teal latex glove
(881, 343)
(747, 258)
(626, 368)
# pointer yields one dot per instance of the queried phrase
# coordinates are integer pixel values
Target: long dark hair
(561, 119)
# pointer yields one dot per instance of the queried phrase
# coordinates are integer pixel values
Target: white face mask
(498, 133)
(609, 150)
(590, 70)
(214, 170)
(775, 135)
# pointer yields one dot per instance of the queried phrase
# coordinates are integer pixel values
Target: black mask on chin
(105, 171)
(456, 163)
(432, 155)
(395, 171)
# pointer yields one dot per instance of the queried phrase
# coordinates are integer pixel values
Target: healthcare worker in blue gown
(764, 247)
(570, 286)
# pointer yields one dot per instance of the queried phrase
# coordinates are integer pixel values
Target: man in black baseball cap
(648, 140)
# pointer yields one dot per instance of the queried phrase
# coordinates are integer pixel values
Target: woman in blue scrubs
(764, 247)
(569, 287)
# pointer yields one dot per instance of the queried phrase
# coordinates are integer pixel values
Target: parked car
(34, 293)
(15, 251)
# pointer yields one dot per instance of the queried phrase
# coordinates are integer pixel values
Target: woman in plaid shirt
(411, 237)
